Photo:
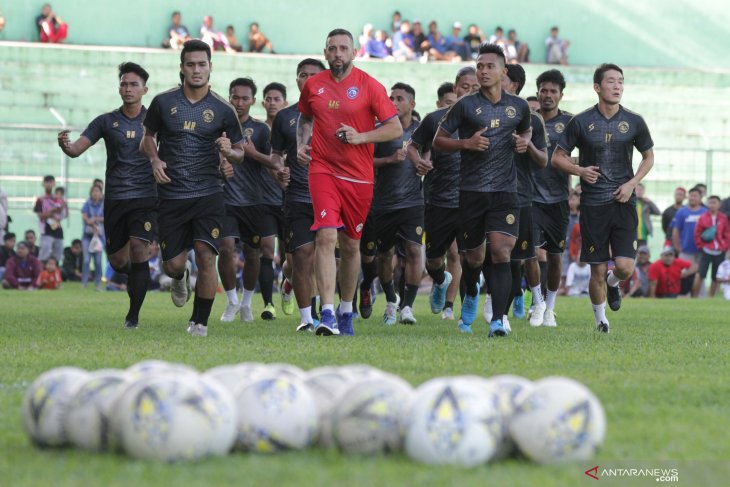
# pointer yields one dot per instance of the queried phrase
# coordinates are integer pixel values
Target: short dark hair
(601, 70)
(50, 257)
(405, 87)
(493, 49)
(445, 89)
(499, 28)
(516, 74)
(194, 45)
(243, 82)
(60, 189)
(310, 62)
(30, 230)
(701, 185)
(98, 181)
(48, 178)
(715, 197)
(8, 236)
(75, 241)
(176, 12)
(466, 70)
(340, 32)
(275, 86)
(531, 98)
(695, 190)
(135, 68)
(551, 76)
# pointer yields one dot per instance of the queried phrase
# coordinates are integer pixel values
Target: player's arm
(232, 152)
(421, 161)
(443, 142)
(258, 156)
(386, 131)
(562, 161)
(281, 174)
(148, 147)
(623, 193)
(304, 135)
(537, 156)
(394, 158)
(73, 149)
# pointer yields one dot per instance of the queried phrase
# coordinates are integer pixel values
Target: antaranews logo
(658, 474)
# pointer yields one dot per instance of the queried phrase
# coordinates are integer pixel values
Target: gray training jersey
(525, 165)
(244, 188)
(551, 184)
(396, 184)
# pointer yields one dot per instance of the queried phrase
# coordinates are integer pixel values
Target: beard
(336, 71)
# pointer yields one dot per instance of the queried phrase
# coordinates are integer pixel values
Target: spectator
(376, 48)
(576, 282)
(117, 282)
(51, 28)
(573, 220)
(515, 51)
(100, 183)
(556, 49)
(638, 285)
(680, 194)
(59, 198)
(420, 43)
(365, 37)
(232, 39)
(683, 237)
(155, 265)
(71, 268)
(723, 276)
(666, 274)
(702, 187)
(3, 213)
(2, 22)
(50, 213)
(6, 251)
(50, 277)
(474, 39)
(438, 49)
(214, 38)
(497, 37)
(712, 237)
(395, 22)
(178, 34)
(30, 239)
(93, 220)
(257, 41)
(404, 47)
(22, 269)
(644, 209)
(455, 43)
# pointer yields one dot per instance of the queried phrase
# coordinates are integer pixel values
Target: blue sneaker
(344, 324)
(518, 307)
(464, 328)
(469, 308)
(438, 294)
(327, 325)
(496, 328)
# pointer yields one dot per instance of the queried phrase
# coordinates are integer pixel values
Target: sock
(369, 273)
(247, 297)
(410, 294)
(328, 307)
(204, 307)
(599, 311)
(389, 291)
(471, 279)
(313, 307)
(438, 275)
(137, 284)
(232, 296)
(537, 295)
(550, 299)
(266, 280)
(500, 283)
(345, 307)
(449, 304)
(306, 315)
(612, 280)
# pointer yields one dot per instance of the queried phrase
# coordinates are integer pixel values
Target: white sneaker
(200, 331)
(306, 327)
(230, 313)
(549, 319)
(246, 314)
(406, 316)
(390, 316)
(505, 323)
(191, 327)
(447, 314)
(538, 315)
(488, 309)
(180, 289)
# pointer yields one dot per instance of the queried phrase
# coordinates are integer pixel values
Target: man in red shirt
(345, 103)
(665, 275)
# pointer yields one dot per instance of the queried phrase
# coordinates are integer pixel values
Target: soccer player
(606, 135)
(441, 192)
(338, 110)
(298, 213)
(492, 126)
(192, 125)
(552, 187)
(274, 100)
(130, 202)
(446, 95)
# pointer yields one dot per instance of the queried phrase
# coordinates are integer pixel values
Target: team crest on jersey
(248, 132)
(147, 226)
(623, 127)
(115, 124)
(419, 231)
(510, 219)
(524, 245)
(255, 239)
(510, 111)
(352, 92)
(371, 245)
(559, 128)
(215, 233)
(208, 115)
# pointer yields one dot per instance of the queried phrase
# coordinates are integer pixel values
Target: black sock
(389, 291)
(471, 279)
(543, 277)
(137, 284)
(449, 304)
(402, 282)
(204, 307)
(500, 280)
(438, 275)
(410, 294)
(266, 280)
(369, 273)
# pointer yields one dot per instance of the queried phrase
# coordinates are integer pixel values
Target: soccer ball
(276, 412)
(558, 421)
(367, 415)
(508, 389)
(147, 368)
(176, 417)
(448, 423)
(87, 422)
(281, 369)
(326, 383)
(46, 404)
(231, 376)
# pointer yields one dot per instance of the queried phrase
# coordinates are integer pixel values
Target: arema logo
(658, 474)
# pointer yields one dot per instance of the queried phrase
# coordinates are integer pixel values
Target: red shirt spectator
(50, 26)
(665, 275)
(721, 242)
(50, 278)
(22, 269)
(575, 243)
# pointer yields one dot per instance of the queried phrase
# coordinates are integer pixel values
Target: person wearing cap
(680, 194)
(666, 274)
(637, 286)
(456, 43)
(22, 269)
(6, 251)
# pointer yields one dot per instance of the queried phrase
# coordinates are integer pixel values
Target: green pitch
(661, 374)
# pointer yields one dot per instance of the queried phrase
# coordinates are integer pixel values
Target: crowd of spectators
(218, 40)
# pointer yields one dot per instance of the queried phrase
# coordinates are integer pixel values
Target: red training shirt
(357, 101)
(668, 279)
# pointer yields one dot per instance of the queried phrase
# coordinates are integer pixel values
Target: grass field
(662, 375)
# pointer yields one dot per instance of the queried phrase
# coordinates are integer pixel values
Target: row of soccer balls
(170, 412)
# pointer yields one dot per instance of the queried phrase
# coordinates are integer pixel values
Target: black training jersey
(128, 171)
(441, 184)
(551, 184)
(525, 166)
(271, 192)
(244, 188)
(396, 185)
(491, 170)
(608, 144)
(284, 138)
(186, 135)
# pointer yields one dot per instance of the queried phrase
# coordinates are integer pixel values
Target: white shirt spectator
(577, 279)
(723, 273)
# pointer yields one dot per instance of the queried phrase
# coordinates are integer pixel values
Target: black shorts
(368, 239)
(242, 223)
(271, 221)
(125, 219)
(608, 232)
(441, 226)
(706, 260)
(524, 248)
(551, 225)
(182, 222)
(298, 219)
(483, 213)
(404, 224)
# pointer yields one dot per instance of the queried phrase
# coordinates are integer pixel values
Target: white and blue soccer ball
(508, 389)
(326, 384)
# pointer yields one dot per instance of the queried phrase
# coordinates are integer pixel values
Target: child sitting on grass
(50, 278)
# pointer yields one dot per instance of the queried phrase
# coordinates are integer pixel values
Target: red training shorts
(339, 203)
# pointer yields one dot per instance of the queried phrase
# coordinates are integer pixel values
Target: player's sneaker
(602, 327)
(497, 329)
(549, 319)
(327, 325)
(390, 316)
(180, 289)
(191, 327)
(344, 324)
(469, 308)
(269, 312)
(488, 309)
(505, 323)
(287, 303)
(538, 314)
(305, 327)
(230, 313)
(406, 316)
(246, 314)
(131, 324)
(199, 331)
(437, 299)
(518, 307)
(366, 303)
(464, 328)
(614, 297)
(447, 314)
(530, 311)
